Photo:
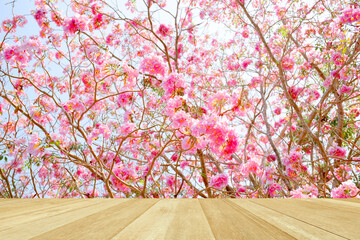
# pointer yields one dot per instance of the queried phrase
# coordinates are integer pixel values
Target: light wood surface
(180, 219)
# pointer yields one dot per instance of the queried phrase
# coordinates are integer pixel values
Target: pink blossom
(354, 112)
(311, 190)
(346, 190)
(337, 152)
(288, 63)
(350, 15)
(72, 25)
(98, 21)
(219, 181)
(10, 52)
(109, 39)
(246, 63)
(231, 144)
(258, 49)
(55, 16)
(40, 16)
(245, 33)
(163, 30)
(242, 189)
(252, 166)
(314, 95)
(9, 25)
(294, 92)
(327, 82)
(125, 174)
(153, 65)
(186, 143)
(259, 64)
(345, 89)
(277, 111)
(273, 189)
(170, 181)
(295, 156)
(174, 157)
(180, 119)
(336, 58)
(174, 84)
(124, 99)
(271, 158)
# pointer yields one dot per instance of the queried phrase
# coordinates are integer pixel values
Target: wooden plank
(43, 225)
(170, 219)
(356, 200)
(230, 221)
(337, 220)
(290, 225)
(30, 214)
(19, 208)
(344, 205)
(102, 224)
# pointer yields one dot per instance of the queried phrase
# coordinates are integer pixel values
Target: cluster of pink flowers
(16, 53)
(33, 145)
(180, 119)
(74, 104)
(295, 156)
(342, 172)
(337, 152)
(346, 190)
(336, 58)
(345, 89)
(350, 15)
(163, 30)
(153, 65)
(170, 181)
(55, 16)
(174, 83)
(354, 112)
(232, 66)
(218, 100)
(313, 95)
(124, 99)
(125, 174)
(245, 33)
(295, 92)
(10, 25)
(231, 145)
(246, 63)
(294, 164)
(98, 20)
(287, 63)
(274, 189)
(255, 81)
(277, 111)
(271, 158)
(250, 167)
(40, 16)
(306, 191)
(219, 181)
(74, 24)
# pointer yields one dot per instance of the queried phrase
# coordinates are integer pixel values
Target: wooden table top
(180, 219)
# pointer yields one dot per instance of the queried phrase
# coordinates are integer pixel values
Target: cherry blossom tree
(181, 98)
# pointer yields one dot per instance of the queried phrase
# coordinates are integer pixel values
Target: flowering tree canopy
(181, 98)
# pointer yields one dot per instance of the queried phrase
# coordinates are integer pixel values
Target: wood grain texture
(102, 224)
(170, 219)
(230, 221)
(64, 214)
(290, 225)
(339, 221)
(180, 219)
